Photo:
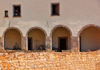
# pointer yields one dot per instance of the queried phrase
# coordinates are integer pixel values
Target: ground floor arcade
(60, 39)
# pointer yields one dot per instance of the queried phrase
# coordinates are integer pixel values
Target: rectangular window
(17, 11)
(55, 9)
(6, 13)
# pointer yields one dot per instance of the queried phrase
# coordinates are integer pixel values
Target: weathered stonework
(50, 60)
(1, 43)
(74, 42)
(23, 47)
(98, 66)
(48, 43)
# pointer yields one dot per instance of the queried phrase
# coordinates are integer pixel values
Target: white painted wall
(73, 13)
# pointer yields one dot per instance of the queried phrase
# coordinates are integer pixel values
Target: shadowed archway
(12, 38)
(61, 38)
(36, 38)
(89, 38)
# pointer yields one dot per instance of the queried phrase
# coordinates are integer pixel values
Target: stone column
(1, 43)
(23, 47)
(48, 43)
(74, 44)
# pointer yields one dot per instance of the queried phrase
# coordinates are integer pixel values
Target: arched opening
(12, 40)
(90, 39)
(61, 39)
(36, 39)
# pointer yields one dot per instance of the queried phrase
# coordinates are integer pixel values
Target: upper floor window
(16, 11)
(6, 13)
(55, 9)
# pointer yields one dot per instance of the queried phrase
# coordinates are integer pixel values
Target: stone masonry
(19, 60)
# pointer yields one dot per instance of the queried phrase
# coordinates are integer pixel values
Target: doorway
(30, 43)
(63, 43)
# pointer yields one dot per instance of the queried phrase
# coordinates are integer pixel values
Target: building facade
(50, 24)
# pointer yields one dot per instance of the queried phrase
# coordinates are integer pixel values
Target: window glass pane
(6, 13)
(17, 11)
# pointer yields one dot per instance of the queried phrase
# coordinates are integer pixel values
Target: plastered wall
(73, 14)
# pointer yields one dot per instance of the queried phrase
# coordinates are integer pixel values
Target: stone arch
(41, 30)
(56, 37)
(18, 32)
(84, 35)
(36, 28)
(12, 28)
(86, 26)
(60, 26)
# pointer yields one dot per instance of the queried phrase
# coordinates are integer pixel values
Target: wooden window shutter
(57, 9)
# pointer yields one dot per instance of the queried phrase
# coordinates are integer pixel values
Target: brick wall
(49, 60)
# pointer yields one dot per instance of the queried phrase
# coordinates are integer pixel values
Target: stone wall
(11, 60)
